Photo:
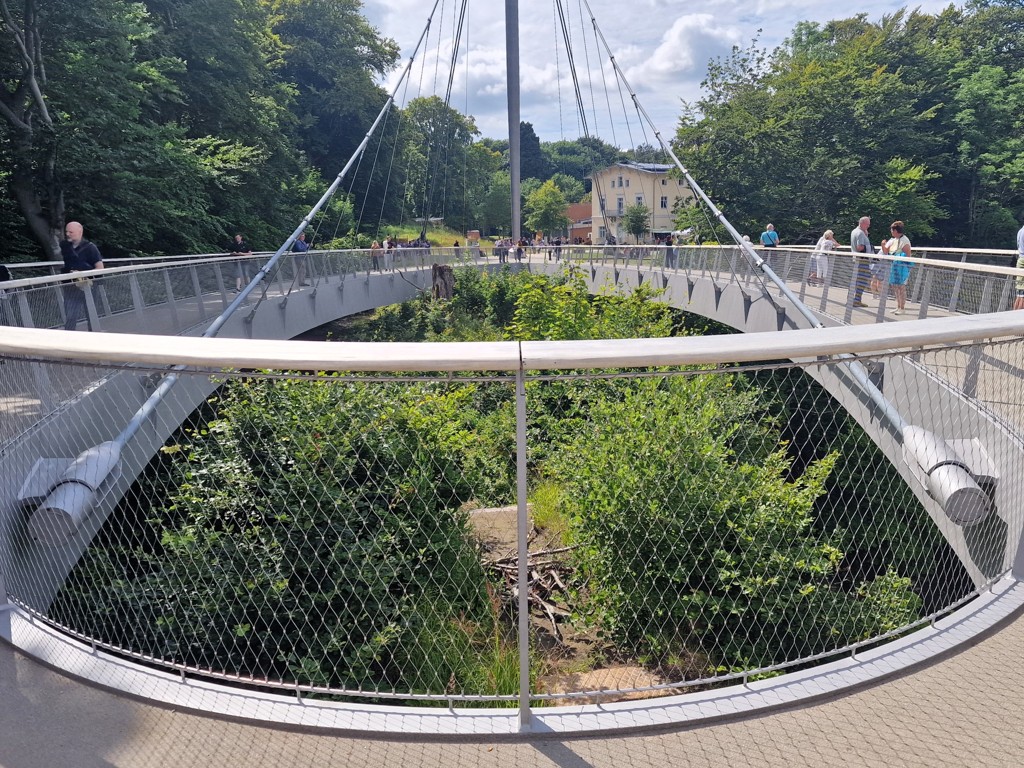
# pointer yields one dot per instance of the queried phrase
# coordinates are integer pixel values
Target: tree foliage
(545, 209)
(916, 117)
(637, 220)
(316, 531)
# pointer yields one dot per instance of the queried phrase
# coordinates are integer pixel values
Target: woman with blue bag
(899, 270)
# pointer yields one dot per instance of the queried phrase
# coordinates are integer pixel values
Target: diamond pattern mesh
(357, 535)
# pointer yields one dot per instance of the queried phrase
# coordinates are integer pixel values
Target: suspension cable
(572, 65)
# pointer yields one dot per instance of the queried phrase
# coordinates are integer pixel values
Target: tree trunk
(34, 183)
(443, 279)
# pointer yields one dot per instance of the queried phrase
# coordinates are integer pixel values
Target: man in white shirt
(861, 243)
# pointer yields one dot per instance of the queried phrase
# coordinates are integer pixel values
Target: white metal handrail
(504, 356)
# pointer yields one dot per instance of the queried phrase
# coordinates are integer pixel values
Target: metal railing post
(1004, 295)
(954, 298)
(522, 553)
(91, 311)
(197, 286)
(5, 604)
(925, 297)
(851, 289)
(138, 303)
(974, 357)
(986, 296)
(172, 303)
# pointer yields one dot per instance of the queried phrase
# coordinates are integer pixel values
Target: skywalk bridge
(942, 398)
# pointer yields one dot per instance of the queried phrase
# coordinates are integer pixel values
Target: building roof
(644, 167)
(648, 167)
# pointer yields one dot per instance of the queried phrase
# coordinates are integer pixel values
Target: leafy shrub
(684, 543)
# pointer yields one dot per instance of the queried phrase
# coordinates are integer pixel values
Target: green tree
(94, 153)
(333, 58)
(578, 158)
(763, 591)
(648, 153)
(327, 544)
(495, 208)
(798, 137)
(637, 220)
(532, 162)
(905, 189)
(333, 55)
(572, 188)
(438, 152)
(989, 105)
(545, 209)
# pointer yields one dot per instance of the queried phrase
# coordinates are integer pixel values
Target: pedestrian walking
(79, 255)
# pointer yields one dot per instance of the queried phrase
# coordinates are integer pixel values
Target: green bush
(686, 543)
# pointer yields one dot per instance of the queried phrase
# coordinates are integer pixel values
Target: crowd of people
(872, 274)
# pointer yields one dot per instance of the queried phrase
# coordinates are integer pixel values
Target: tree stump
(443, 279)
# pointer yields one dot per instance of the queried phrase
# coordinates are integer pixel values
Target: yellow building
(619, 186)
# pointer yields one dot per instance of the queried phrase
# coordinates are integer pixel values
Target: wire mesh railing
(849, 289)
(357, 535)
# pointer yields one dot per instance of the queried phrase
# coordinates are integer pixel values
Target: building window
(664, 202)
(620, 181)
(601, 231)
(627, 183)
(639, 199)
(622, 203)
(664, 182)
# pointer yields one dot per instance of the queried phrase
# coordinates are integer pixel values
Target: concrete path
(964, 710)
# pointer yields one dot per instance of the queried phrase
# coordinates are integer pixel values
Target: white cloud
(663, 46)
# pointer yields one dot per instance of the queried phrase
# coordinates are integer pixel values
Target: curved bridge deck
(964, 709)
(956, 710)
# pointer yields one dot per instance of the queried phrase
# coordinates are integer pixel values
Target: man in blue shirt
(79, 256)
(770, 238)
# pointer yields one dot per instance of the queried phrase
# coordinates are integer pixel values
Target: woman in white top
(819, 258)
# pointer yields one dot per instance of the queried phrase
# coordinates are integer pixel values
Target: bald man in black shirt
(79, 256)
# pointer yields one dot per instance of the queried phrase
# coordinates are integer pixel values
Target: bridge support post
(4, 602)
(523, 579)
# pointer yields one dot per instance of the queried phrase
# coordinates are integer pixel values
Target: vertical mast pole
(523, 629)
(512, 67)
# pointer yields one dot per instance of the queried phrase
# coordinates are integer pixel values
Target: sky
(662, 46)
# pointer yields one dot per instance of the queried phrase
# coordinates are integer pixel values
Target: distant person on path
(1018, 303)
(770, 238)
(375, 250)
(861, 243)
(79, 256)
(899, 270)
(238, 249)
(819, 258)
(300, 247)
(671, 255)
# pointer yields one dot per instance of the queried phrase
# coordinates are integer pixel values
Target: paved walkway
(965, 710)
